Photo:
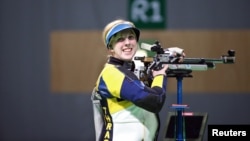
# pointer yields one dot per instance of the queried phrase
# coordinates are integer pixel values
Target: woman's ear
(111, 52)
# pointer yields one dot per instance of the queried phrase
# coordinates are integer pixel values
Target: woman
(125, 109)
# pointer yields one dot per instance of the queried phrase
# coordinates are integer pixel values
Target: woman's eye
(131, 37)
(120, 39)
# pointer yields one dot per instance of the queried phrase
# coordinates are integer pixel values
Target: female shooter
(125, 109)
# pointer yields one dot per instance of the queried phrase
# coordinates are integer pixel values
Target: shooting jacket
(125, 109)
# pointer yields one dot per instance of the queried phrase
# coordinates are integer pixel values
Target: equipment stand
(179, 107)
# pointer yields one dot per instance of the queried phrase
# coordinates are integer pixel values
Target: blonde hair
(111, 25)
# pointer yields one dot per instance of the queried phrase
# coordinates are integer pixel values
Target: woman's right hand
(161, 71)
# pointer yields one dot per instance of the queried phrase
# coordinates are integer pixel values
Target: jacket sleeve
(123, 84)
(150, 98)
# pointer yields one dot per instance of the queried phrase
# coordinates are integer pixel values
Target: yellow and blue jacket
(125, 99)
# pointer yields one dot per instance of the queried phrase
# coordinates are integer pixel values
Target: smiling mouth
(127, 50)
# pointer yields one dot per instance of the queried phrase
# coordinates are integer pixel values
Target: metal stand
(180, 107)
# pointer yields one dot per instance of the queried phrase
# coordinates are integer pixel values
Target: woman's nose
(127, 41)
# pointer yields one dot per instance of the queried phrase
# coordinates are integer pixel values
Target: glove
(176, 52)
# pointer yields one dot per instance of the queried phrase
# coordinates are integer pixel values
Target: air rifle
(185, 67)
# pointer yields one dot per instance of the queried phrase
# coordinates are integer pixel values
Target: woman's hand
(181, 57)
(176, 51)
(161, 71)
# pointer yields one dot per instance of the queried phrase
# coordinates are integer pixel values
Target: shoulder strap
(98, 113)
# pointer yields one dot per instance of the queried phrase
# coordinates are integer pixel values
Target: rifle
(176, 68)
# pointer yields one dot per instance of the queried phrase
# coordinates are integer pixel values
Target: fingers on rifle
(165, 66)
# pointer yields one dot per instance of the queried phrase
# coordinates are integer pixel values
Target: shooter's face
(124, 45)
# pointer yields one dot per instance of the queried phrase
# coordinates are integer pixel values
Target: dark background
(29, 111)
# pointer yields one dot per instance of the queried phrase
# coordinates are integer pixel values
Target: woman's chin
(127, 58)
